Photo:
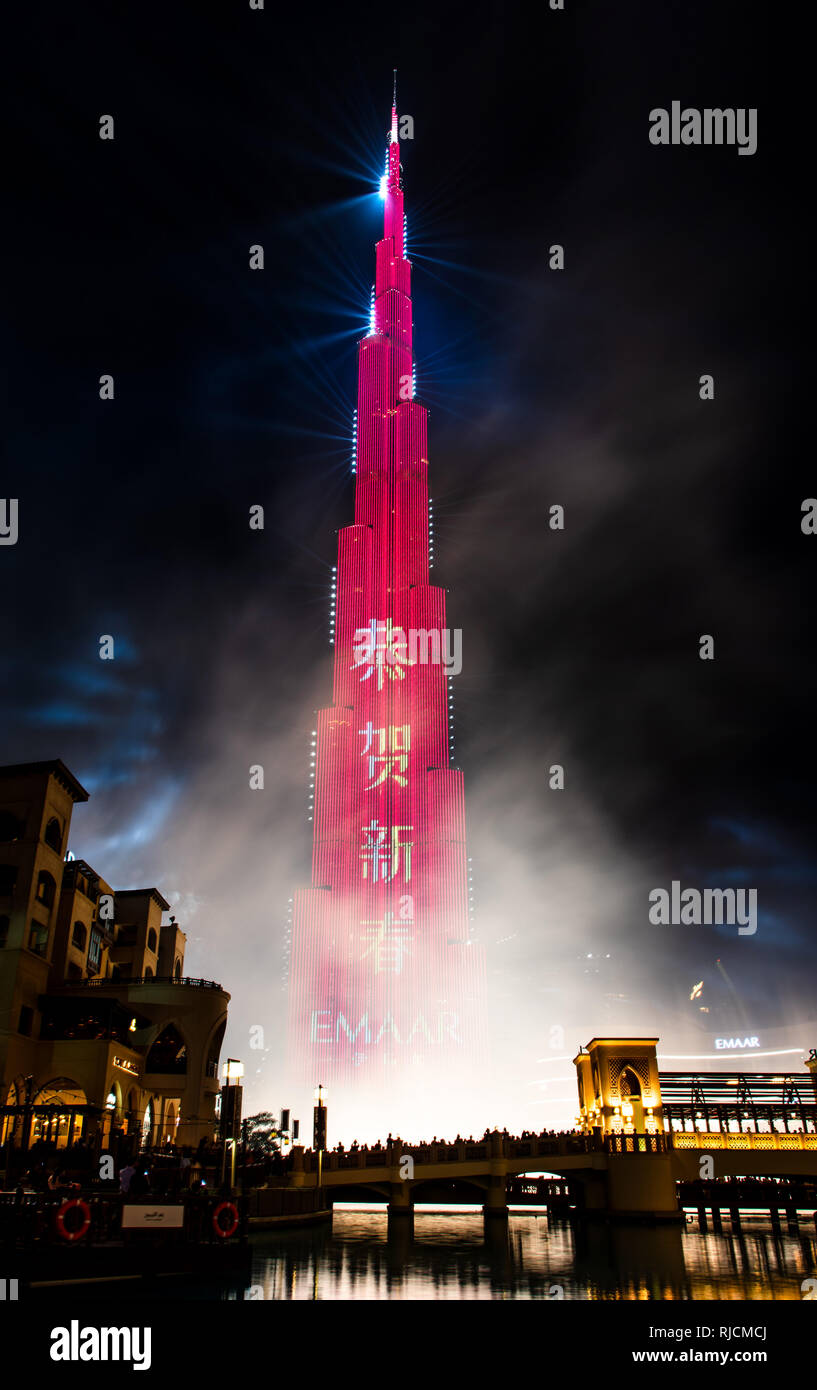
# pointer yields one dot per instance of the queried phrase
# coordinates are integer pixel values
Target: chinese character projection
(383, 969)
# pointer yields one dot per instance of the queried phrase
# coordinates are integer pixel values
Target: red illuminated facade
(383, 970)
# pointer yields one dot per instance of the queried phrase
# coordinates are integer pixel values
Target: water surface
(537, 1257)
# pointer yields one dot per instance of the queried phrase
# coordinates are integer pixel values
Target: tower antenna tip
(394, 95)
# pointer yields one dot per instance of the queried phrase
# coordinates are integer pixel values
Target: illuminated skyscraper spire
(393, 138)
(384, 972)
(393, 216)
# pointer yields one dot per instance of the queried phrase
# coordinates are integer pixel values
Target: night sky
(578, 388)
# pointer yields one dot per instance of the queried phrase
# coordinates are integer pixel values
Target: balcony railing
(126, 981)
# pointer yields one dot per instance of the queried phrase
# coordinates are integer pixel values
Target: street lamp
(319, 1128)
(231, 1098)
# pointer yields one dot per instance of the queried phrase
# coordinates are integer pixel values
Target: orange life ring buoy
(224, 1232)
(83, 1228)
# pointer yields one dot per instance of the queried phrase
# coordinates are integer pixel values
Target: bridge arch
(452, 1190)
(361, 1192)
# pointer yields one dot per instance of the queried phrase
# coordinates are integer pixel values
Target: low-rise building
(102, 1035)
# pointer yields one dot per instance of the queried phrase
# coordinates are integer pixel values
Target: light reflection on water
(449, 1258)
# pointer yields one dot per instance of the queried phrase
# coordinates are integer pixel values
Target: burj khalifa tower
(385, 976)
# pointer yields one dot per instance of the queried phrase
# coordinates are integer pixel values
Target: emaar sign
(731, 1044)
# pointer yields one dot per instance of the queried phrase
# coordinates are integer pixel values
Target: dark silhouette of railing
(125, 981)
(494, 1146)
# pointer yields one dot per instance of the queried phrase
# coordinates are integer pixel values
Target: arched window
(64, 1119)
(630, 1085)
(152, 942)
(168, 1054)
(632, 1112)
(214, 1048)
(9, 1122)
(170, 1123)
(148, 973)
(147, 1125)
(10, 828)
(53, 835)
(38, 939)
(46, 888)
(177, 969)
(79, 936)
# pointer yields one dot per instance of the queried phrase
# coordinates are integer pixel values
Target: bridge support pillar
(642, 1186)
(495, 1210)
(297, 1170)
(592, 1186)
(400, 1212)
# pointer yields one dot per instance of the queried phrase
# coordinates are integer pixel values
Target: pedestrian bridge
(640, 1133)
(625, 1174)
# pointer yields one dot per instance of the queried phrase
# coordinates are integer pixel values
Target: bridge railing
(636, 1144)
(701, 1139)
(549, 1146)
(464, 1151)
